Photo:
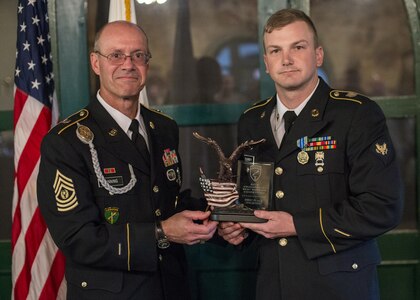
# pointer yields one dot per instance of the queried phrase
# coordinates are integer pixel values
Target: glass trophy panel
(255, 183)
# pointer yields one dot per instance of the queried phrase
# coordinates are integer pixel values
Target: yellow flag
(122, 10)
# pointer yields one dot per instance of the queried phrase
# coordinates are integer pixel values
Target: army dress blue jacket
(336, 174)
(107, 238)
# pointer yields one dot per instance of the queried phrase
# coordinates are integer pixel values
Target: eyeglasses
(117, 58)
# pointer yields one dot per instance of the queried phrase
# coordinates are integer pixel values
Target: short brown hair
(287, 16)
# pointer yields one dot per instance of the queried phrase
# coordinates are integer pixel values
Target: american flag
(37, 265)
(218, 193)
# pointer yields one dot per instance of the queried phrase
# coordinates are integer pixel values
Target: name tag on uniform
(114, 181)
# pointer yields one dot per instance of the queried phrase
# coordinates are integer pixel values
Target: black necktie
(138, 140)
(289, 118)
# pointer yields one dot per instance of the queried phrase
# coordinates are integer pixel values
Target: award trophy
(253, 189)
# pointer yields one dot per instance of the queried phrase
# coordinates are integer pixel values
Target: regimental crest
(255, 172)
(381, 149)
(65, 194)
(111, 214)
(171, 174)
(84, 134)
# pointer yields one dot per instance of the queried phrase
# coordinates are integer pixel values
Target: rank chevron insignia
(65, 194)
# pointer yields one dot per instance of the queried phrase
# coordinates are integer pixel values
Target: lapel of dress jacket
(263, 129)
(152, 135)
(114, 139)
(309, 122)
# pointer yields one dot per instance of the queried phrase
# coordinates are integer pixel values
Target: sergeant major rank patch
(65, 194)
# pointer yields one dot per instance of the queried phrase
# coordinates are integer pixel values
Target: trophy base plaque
(235, 214)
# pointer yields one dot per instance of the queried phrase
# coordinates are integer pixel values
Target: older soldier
(109, 182)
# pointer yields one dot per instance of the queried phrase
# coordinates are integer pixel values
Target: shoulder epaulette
(259, 104)
(73, 119)
(156, 111)
(348, 96)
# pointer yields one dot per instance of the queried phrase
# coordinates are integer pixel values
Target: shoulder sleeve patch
(347, 96)
(383, 150)
(259, 104)
(156, 111)
(73, 119)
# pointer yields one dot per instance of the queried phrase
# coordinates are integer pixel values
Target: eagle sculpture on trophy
(221, 193)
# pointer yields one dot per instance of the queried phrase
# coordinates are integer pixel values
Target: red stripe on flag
(27, 162)
(55, 277)
(33, 239)
(31, 152)
(20, 100)
(16, 226)
(36, 230)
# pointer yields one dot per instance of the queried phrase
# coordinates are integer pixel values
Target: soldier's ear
(265, 63)
(319, 53)
(94, 62)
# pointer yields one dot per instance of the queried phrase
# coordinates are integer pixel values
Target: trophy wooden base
(235, 214)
